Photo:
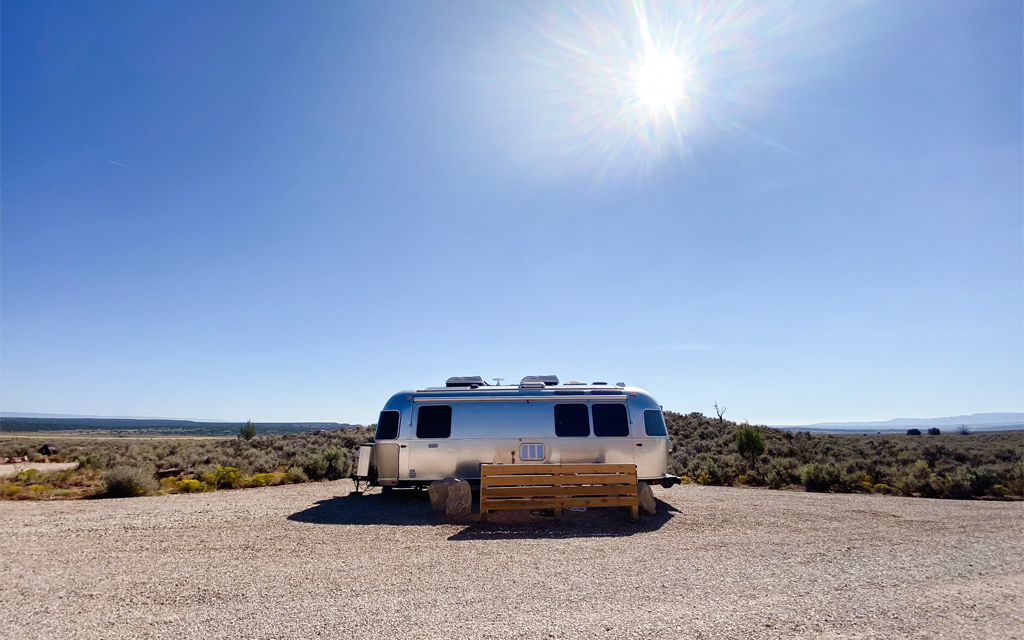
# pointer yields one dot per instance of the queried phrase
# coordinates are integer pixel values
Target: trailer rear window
(654, 423)
(572, 420)
(610, 420)
(434, 421)
(387, 425)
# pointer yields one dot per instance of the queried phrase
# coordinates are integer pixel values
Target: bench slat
(547, 481)
(527, 492)
(513, 469)
(551, 503)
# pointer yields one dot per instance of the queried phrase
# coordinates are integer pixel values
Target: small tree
(913, 432)
(248, 430)
(934, 431)
(963, 430)
(750, 442)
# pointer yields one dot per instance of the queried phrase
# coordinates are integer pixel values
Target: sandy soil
(305, 561)
(43, 467)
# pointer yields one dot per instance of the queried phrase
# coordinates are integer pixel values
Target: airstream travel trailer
(448, 432)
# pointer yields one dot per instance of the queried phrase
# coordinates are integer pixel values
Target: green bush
(818, 477)
(316, 467)
(709, 473)
(26, 476)
(191, 485)
(91, 461)
(221, 477)
(774, 480)
(127, 482)
(296, 474)
(261, 480)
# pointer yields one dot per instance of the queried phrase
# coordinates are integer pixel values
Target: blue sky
(288, 211)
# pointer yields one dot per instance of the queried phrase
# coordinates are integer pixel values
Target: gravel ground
(305, 561)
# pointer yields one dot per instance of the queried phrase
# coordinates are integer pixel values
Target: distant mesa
(42, 422)
(976, 421)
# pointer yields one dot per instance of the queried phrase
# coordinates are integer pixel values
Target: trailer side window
(610, 420)
(572, 420)
(387, 425)
(434, 421)
(654, 423)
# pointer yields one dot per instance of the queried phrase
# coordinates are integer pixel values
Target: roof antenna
(498, 381)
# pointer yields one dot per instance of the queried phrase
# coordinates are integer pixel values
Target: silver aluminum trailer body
(442, 432)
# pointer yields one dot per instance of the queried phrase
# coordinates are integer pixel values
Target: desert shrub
(934, 431)
(91, 461)
(774, 479)
(316, 467)
(709, 473)
(881, 488)
(979, 479)
(296, 474)
(999, 491)
(191, 485)
(261, 480)
(913, 432)
(818, 477)
(741, 479)
(1016, 481)
(11, 490)
(169, 484)
(685, 479)
(26, 476)
(221, 477)
(127, 482)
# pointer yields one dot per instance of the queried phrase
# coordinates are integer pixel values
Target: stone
(646, 495)
(460, 499)
(438, 492)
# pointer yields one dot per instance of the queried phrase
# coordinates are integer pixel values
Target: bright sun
(659, 82)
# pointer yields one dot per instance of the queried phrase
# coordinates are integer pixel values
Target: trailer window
(654, 423)
(434, 421)
(572, 420)
(610, 420)
(387, 425)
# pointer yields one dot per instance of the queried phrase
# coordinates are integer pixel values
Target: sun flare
(660, 82)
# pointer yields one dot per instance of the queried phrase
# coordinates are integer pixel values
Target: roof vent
(575, 382)
(547, 380)
(465, 381)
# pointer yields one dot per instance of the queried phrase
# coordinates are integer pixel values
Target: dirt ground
(10, 469)
(304, 561)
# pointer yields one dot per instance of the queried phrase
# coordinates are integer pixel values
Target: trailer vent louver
(547, 380)
(465, 381)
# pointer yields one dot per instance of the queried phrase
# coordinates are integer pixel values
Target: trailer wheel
(386, 492)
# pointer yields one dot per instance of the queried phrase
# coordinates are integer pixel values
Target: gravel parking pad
(307, 560)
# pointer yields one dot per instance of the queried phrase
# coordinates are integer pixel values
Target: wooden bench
(554, 486)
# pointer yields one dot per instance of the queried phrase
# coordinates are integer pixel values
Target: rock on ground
(646, 495)
(460, 499)
(438, 492)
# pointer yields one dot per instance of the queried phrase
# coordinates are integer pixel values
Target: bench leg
(636, 512)
(558, 513)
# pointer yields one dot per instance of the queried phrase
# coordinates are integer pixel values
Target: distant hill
(976, 422)
(157, 426)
